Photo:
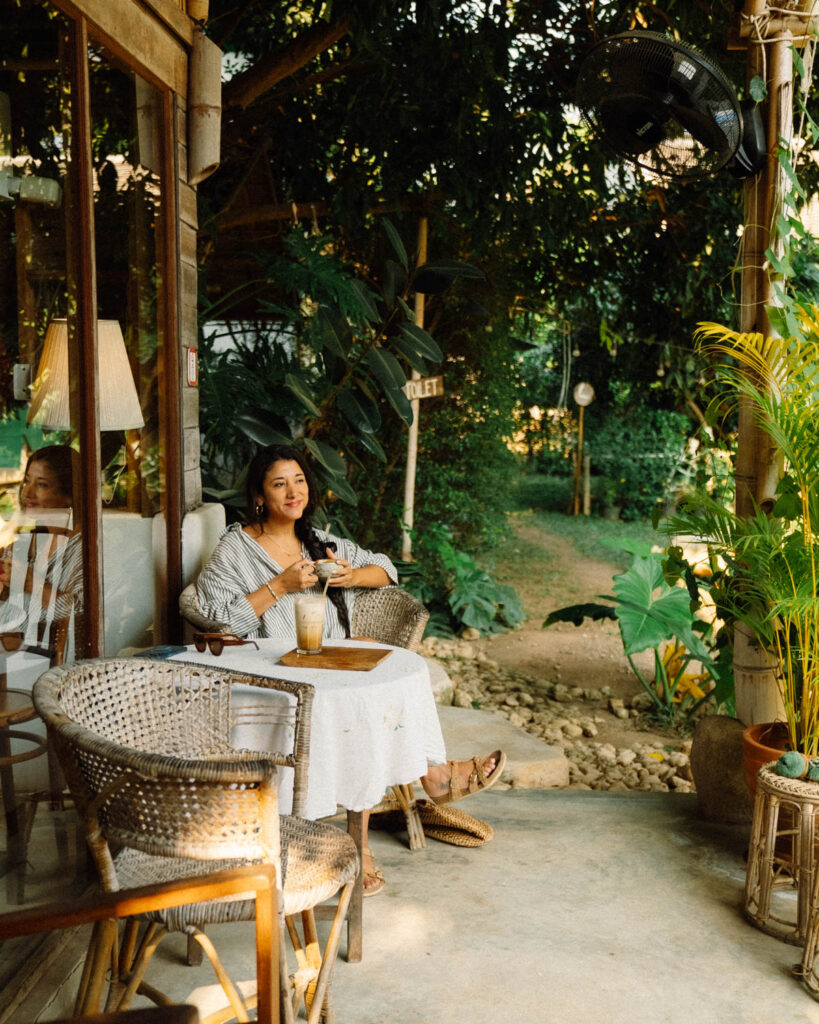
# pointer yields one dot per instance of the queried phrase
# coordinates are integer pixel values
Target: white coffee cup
(326, 567)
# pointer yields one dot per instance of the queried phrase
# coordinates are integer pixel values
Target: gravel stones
(566, 717)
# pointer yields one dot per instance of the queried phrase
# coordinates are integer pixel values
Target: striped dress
(239, 566)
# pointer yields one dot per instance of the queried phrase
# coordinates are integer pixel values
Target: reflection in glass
(41, 593)
(41, 559)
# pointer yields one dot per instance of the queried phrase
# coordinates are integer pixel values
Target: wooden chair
(146, 748)
(105, 910)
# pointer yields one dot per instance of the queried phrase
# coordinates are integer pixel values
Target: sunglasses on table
(217, 642)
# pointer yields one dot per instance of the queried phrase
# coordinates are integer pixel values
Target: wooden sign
(424, 387)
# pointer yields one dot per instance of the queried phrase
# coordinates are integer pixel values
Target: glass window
(126, 116)
(45, 610)
(41, 577)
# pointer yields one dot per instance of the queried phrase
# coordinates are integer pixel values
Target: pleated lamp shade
(119, 404)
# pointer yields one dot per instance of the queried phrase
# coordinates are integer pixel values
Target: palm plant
(769, 580)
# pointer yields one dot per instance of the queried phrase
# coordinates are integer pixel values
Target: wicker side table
(782, 855)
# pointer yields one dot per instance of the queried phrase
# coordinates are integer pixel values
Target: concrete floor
(595, 908)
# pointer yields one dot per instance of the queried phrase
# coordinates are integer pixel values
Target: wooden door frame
(83, 354)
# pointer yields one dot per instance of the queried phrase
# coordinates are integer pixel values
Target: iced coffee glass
(309, 622)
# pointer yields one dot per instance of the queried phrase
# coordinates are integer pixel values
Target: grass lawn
(544, 501)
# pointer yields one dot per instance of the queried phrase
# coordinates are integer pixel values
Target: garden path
(549, 572)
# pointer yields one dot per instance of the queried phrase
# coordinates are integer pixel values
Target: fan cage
(660, 104)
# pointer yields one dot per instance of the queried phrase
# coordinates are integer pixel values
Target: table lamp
(119, 403)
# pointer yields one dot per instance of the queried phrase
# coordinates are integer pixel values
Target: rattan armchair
(146, 748)
(388, 615)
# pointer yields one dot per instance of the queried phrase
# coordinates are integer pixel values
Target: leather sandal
(478, 778)
(374, 872)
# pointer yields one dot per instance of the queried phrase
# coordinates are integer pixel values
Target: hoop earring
(259, 510)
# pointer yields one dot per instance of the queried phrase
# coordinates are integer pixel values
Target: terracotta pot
(761, 744)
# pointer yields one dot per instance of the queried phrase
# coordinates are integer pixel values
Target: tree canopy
(465, 110)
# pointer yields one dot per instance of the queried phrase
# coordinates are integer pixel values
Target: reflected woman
(41, 570)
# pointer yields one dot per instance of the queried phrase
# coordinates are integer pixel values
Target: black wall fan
(667, 107)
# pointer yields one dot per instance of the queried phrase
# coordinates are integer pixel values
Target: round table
(370, 729)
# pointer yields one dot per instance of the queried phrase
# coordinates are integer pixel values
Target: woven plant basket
(450, 825)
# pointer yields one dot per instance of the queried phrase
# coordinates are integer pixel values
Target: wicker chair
(388, 615)
(146, 748)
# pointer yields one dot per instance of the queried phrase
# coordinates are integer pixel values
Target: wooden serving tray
(353, 659)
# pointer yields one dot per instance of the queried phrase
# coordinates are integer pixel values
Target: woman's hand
(300, 575)
(343, 576)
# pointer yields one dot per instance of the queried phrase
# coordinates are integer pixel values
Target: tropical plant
(332, 358)
(457, 592)
(770, 579)
(659, 616)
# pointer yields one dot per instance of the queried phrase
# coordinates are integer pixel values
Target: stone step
(531, 763)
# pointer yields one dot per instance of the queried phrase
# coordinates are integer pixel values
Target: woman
(252, 577)
(41, 570)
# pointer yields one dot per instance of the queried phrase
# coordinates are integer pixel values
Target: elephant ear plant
(770, 558)
(656, 615)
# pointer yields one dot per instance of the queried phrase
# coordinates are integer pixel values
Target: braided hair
(256, 473)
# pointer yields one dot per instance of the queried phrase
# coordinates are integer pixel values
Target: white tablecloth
(370, 730)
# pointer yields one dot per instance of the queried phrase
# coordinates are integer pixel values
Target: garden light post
(412, 439)
(583, 395)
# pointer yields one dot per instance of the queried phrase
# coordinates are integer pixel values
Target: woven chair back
(145, 746)
(389, 615)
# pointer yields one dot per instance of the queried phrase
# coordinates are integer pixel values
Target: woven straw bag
(448, 824)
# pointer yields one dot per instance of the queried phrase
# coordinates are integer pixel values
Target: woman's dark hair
(256, 472)
(61, 460)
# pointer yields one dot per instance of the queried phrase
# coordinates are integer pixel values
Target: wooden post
(587, 485)
(412, 440)
(757, 693)
(578, 464)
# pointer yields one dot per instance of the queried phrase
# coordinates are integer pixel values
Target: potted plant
(767, 580)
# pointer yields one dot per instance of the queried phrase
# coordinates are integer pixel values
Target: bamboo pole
(412, 440)
(757, 693)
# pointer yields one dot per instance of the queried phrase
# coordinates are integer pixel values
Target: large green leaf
(395, 240)
(363, 415)
(651, 612)
(302, 392)
(410, 353)
(339, 486)
(399, 401)
(327, 456)
(578, 613)
(366, 300)
(425, 345)
(326, 329)
(386, 368)
(259, 431)
(395, 281)
(372, 445)
(451, 269)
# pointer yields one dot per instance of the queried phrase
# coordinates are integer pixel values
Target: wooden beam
(136, 37)
(82, 348)
(173, 18)
(242, 90)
